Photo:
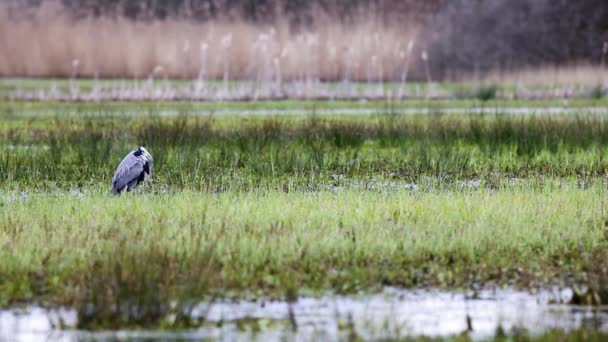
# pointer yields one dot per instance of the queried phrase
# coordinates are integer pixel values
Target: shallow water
(340, 111)
(401, 111)
(409, 111)
(262, 89)
(391, 314)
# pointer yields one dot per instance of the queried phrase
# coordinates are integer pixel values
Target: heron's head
(141, 151)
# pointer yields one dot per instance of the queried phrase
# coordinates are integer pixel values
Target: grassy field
(281, 206)
(302, 152)
(90, 248)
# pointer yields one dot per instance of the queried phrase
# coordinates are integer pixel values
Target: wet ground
(391, 314)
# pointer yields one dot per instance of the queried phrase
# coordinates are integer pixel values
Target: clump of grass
(152, 288)
(598, 92)
(482, 92)
(486, 92)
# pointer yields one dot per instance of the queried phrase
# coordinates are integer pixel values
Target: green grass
(155, 248)
(311, 153)
(206, 153)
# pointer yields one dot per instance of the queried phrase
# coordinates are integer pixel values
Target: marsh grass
(284, 206)
(134, 260)
(487, 92)
(598, 92)
(193, 152)
(133, 286)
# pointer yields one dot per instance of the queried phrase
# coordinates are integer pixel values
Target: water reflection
(391, 314)
(323, 111)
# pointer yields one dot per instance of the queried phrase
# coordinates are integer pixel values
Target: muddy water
(391, 314)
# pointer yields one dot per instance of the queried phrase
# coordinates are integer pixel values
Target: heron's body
(132, 170)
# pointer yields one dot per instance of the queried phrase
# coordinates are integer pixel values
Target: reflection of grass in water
(121, 261)
(583, 334)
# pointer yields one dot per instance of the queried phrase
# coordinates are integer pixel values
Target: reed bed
(36, 46)
(276, 59)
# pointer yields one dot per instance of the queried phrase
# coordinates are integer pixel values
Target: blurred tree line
(480, 35)
(296, 11)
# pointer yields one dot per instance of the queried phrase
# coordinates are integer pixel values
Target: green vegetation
(487, 93)
(283, 206)
(93, 250)
(206, 153)
(598, 92)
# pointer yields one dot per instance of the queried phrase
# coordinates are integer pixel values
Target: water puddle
(262, 89)
(334, 111)
(409, 111)
(390, 314)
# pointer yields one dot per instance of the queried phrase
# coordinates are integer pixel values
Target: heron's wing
(129, 169)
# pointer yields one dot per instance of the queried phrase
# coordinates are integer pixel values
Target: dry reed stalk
(45, 44)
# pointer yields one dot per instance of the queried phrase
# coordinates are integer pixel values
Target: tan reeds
(576, 74)
(46, 44)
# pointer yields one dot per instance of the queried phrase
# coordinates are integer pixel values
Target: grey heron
(132, 170)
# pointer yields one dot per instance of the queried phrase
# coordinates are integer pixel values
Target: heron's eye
(138, 153)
